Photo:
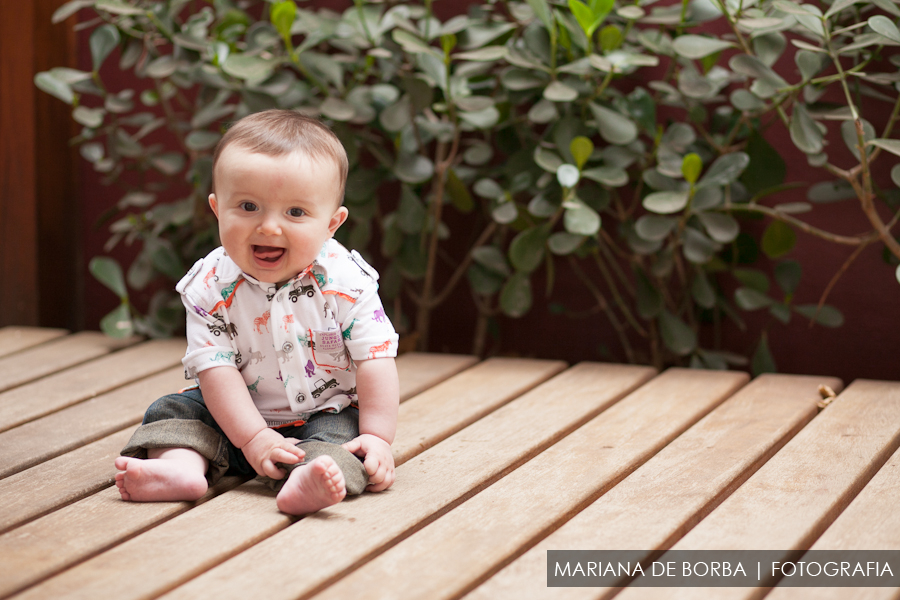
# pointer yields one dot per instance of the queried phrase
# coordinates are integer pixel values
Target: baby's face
(275, 212)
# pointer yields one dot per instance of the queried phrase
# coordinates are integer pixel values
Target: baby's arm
(227, 398)
(379, 398)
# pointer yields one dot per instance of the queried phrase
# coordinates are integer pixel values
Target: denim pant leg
(323, 434)
(183, 421)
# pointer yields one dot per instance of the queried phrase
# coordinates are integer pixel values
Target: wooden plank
(50, 436)
(65, 388)
(74, 475)
(446, 408)
(244, 516)
(346, 535)
(871, 522)
(795, 496)
(99, 521)
(56, 355)
(420, 371)
(15, 339)
(41, 489)
(41, 548)
(470, 542)
(674, 490)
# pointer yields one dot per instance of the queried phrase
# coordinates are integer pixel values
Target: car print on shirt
(322, 385)
(221, 327)
(309, 290)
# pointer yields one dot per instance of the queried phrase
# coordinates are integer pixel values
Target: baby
(287, 337)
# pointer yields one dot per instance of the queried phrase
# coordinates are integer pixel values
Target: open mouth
(268, 254)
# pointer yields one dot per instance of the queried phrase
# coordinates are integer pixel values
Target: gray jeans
(183, 421)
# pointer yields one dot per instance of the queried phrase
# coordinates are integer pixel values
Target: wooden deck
(498, 462)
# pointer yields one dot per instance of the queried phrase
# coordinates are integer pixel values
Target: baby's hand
(379, 462)
(269, 447)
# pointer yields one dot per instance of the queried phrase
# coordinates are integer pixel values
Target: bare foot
(158, 480)
(312, 487)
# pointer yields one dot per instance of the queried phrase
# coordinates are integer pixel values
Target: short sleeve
(368, 333)
(209, 342)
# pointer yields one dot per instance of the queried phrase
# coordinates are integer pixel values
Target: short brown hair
(277, 132)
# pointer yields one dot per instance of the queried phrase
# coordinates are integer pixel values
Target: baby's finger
(285, 456)
(270, 470)
(387, 482)
(354, 446)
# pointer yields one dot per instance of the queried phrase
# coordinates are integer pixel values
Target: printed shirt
(295, 346)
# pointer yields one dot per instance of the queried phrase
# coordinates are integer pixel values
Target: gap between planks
(794, 497)
(55, 355)
(102, 520)
(675, 489)
(15, 339)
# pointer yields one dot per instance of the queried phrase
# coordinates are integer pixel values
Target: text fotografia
(723, 568)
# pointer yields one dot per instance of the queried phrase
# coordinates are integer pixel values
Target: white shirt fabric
(295, 347)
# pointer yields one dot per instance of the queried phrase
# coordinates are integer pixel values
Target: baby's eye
(296, 212)
(248, 206)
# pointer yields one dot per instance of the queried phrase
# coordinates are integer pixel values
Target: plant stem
(605, 307)
(801, 225)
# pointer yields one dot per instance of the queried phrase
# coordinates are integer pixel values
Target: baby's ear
(214, 205)
(337, 219)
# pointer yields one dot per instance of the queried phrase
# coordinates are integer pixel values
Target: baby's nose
(269, 226)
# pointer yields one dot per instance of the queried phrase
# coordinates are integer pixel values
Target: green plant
(624, 143)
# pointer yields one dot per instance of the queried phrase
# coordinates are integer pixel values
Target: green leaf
(649, 300)
(581, 149)
(541, 9)
(892, 146)
(676, 335)
(46, 82)
(884, 26)
(702, 291)
(614, 127)
(282, 15)
(665, 203)
(117, 7)
(410, 212)
(515, 298)
(568, 175)
(787, 274)
(492, 259)
(698, 248)
(763, 361)
(750, 299)
(118, 323)
(581, 220)
(202, 140)
(459, 193)
(558, 91)
(585, 17)
(805, 133)
(108, 272)
(68, 9)
(725, 170)
(752, 278)
(898, 273)
(103, 40)
(654, 227)
(483, 282)
(828, 316)
(778, 239)
(526, 250)
(563, 242)
(413, 168)
(89, 117)
(848, 133)
(611, 38)
(766, 168)
(720, 227)
(697, 46)
(243, 66)
(691, 167)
